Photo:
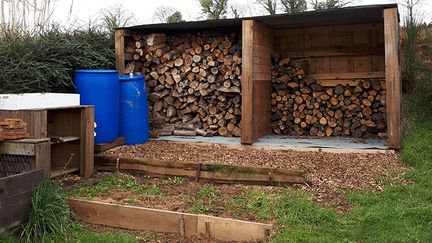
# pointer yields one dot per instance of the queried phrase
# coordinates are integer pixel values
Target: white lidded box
(38, 101)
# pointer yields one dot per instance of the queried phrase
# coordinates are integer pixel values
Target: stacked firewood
(193, 81)
(11, 128)
(301, 106)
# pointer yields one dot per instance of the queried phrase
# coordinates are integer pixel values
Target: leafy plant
(153, 190)
(174, 180)
(207, 192)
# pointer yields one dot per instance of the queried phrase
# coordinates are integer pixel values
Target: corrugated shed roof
(339, 16)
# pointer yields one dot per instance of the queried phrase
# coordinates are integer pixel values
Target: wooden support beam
(246, 82)
(211, 172)
(43, 157)
(393, 80)
(87, 141)
(345, 76)
(138, 218)
(119, 49)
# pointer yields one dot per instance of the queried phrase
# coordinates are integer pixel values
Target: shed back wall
(335, 52)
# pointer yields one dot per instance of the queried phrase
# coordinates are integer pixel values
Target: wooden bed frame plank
(139, 218)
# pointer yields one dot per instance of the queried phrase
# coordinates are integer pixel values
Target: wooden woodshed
(354, 48)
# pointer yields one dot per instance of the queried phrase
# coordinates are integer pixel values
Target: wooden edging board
(15, 196)
(200, 171)
(139, 218)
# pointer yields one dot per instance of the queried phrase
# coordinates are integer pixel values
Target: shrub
(45, 62)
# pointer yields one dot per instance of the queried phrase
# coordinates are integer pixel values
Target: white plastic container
(38, 101)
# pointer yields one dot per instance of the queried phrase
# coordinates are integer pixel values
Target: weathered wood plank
(42, 158)
(101, 147)
(138, 218)
(15, 196)
(350, 75)
(393, 82)
(261, 81)
(20, 183)
(212, 172)
(232, 230)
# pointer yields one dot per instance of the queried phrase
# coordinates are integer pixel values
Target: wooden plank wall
(393, 81)
(15, 195)
(344, 52)
(257, 47)
(263, 48)
(36, 120)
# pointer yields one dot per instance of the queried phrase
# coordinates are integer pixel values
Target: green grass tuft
(115, 181)
(207, 192)
(49, 214)
(174, 180)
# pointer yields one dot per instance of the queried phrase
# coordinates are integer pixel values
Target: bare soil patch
(178, 194)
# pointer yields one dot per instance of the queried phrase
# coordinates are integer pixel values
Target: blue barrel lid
(95, 71)
(131, 78)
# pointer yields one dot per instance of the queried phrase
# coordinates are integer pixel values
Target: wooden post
(393, 81)
(87, 141)
(119, 49)
(246, 81)
(43, 156)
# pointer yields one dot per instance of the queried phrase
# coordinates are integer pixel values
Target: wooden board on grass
(212, 172)
(139, 218)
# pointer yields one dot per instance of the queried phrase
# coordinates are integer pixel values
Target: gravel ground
(327, 174)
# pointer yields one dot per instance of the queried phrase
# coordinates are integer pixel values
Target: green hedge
(45, 63)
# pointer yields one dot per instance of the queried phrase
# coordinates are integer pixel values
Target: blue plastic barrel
(133, 110)
(101, 89)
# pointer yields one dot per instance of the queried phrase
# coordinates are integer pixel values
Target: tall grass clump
(49, 214)
(45, 62)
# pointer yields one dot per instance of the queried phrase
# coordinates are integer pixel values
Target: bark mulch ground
(328, 175)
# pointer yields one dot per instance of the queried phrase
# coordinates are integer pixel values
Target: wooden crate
(341, 46)
(71, 134)
(15, 196)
